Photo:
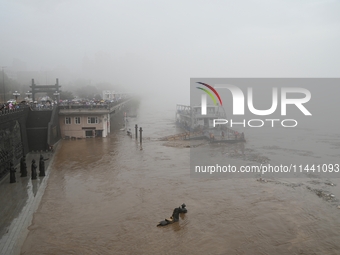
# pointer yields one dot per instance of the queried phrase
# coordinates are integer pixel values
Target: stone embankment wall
(23, 130)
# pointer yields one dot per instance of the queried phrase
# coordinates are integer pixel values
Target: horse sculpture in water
(174, 217)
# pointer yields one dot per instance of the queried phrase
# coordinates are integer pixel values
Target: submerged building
(82, 121)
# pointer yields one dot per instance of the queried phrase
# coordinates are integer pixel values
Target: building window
(67, 120)
(77, 120)
(92, 120)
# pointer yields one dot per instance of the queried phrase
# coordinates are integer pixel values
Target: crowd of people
(49, 103)
(12, 105)
(92, 103)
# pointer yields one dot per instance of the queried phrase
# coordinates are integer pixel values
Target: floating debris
(184, 144)
(323, 194)
(330, 183)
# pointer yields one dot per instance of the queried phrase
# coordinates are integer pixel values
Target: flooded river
(106, 196)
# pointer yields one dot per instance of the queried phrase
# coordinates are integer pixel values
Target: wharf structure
(31, 128)
(26, 129)
(200, 126)
(190, 118)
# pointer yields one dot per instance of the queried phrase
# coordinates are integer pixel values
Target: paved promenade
(18, 203)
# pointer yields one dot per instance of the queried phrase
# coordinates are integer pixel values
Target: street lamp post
(56, 94)
(16, 94)
(29, 94)
(3, 83)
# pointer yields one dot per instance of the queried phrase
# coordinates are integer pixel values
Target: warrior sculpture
(34, 170)
(12, 171)
(42, 166)
(23, 167)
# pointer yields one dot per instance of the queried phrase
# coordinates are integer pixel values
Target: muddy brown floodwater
(106, 196)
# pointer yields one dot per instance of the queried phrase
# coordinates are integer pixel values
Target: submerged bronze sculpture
(174, 217)
(182, 209)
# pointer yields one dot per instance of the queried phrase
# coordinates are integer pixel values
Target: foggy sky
(157, 46)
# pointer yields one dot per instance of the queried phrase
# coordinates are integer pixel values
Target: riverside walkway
(18, 203)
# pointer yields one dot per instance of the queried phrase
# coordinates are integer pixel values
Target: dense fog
(155, 47)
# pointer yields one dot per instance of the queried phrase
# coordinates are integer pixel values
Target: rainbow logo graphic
(209, 93)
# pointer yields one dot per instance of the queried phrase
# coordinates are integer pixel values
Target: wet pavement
(18, 203)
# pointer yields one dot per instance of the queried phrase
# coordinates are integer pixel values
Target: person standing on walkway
(34, 170)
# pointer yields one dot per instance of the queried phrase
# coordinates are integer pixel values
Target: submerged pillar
(136, 131)
(140, 137)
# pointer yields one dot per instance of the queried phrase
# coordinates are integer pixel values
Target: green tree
(97, 97)
(87, 91)
(8, 86)
(66, 95)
